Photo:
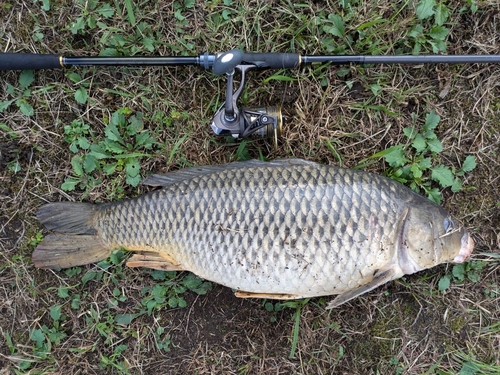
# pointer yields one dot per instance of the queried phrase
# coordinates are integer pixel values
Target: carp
(285, 229)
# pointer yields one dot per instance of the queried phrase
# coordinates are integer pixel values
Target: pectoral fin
(241, 294)
(379, 279)
(154, 261)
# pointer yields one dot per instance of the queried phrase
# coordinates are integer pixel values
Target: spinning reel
(265, 122)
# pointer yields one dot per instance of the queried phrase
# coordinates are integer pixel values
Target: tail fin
(68, 217)
(76, 242)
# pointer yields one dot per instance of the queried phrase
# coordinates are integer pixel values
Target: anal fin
(379, 279)
(154, 261)
(242, 294)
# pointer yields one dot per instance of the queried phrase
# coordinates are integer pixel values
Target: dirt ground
(106, 318)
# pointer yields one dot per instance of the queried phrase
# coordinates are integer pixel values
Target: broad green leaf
(132, 167)
(90, 163)
(109, 168)
(419, 143)
(158, 275)
(135, 124)
(415, 169)
(5, 104)
(90, 275)
(83, 143)
(441, 15)
(109, 52)
(78, 25)
(226, 14)
(375, 89)
(77, 164)
(148, 43)
(46, 5)
(55, 312)
(112, 132)
(10, 89)
(133, 181)
(75, 303)
(444, 283)
(425, 9)
(416, 31)
(75, 77)
(189, 3)
(126, 319)
(473, 276)
(81, 95)
(469, 163)
(99, 152)
(396, 158)
(434, 195)
(62, 292)
(425, 163)
(434, 145)
(26, 78)
(439, 33)
(106, 10)
(69, 184)
(410, 132)
(337, 28)
(442, 175)
(26, 108)
(343, 71)
(431, 121)
(38, 336)
(144, 139)
(457, 185)
(459, 271)
(117, 119)
(114, 147)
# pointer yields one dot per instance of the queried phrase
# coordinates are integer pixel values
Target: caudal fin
(76, 242)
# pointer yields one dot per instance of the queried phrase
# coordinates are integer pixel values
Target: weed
(90, 16)
(169, 290)
(414, 165)
(431, 31)
(273, 307)
(468, 270)
(20, 94)
(119, 152)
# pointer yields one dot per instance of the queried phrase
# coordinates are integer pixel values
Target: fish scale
(286, 229)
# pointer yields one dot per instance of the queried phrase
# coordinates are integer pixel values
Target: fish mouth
(465, 249)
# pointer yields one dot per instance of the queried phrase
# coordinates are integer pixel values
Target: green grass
(92, 134)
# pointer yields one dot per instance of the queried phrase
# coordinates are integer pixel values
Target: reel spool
(271, 130)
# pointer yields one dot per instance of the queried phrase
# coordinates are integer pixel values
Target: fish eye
(448, 225)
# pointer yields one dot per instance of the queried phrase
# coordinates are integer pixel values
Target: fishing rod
(229, 118)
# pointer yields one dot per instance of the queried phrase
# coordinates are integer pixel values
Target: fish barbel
(286, 229)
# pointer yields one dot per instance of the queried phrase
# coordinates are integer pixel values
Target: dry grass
(404, 327)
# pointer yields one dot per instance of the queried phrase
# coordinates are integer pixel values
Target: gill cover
(429, 236)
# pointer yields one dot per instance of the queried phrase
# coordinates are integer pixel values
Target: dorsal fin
(170, 178)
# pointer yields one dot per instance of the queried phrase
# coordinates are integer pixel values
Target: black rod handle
(272, 60)
(29, 61)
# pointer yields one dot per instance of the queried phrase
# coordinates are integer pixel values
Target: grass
(92, 133)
